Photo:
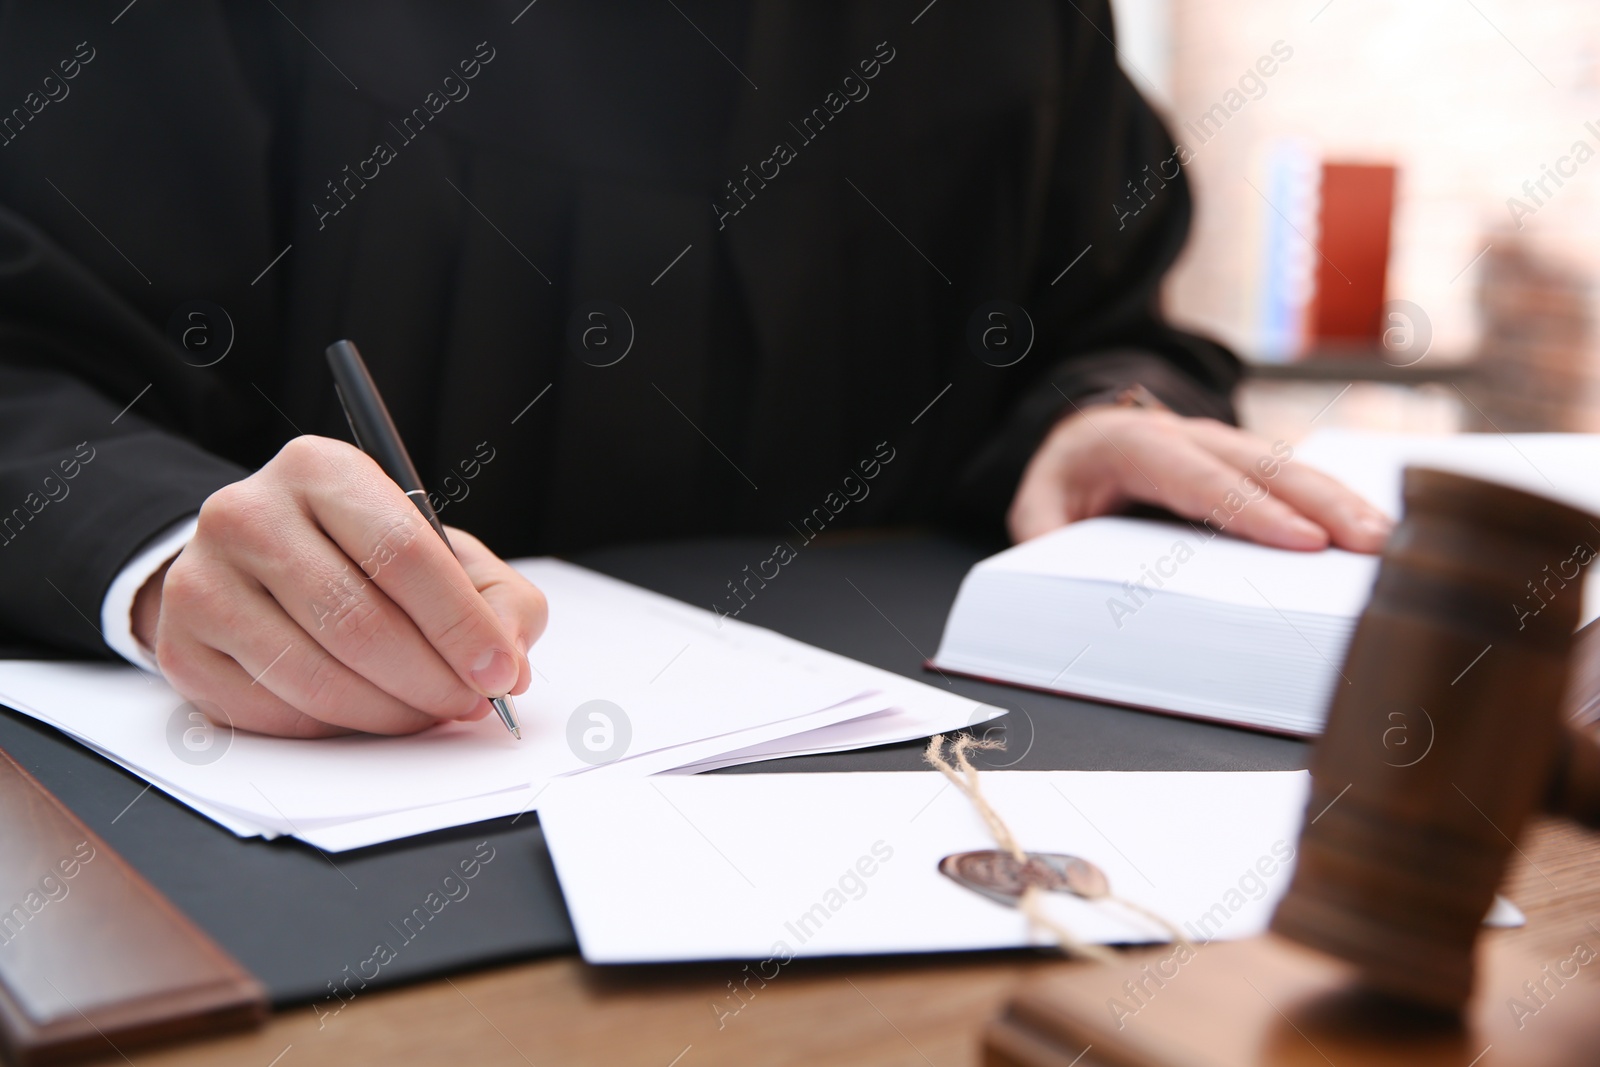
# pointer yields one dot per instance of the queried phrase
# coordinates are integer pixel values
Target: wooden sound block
(93, 959)
(1268, 1002)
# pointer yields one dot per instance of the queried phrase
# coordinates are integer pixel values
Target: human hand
(316, 600)
(1101, 459)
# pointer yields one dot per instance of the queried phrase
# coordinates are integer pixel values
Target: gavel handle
(1575, 785)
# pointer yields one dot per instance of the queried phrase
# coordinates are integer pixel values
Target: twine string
(964, 776)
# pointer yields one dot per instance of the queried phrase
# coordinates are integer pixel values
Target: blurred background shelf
(1359, 365)
(1448, 163)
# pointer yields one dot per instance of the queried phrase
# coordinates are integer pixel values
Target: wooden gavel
(1444, 736)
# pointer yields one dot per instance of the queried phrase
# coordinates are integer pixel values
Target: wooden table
(910, 1011)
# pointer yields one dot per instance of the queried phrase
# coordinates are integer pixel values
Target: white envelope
(766, 866)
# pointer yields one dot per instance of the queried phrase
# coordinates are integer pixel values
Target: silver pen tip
(508, 714)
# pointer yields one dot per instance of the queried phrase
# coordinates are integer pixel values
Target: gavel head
(1444, 734)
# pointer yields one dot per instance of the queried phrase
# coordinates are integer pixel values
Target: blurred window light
(1144, 46)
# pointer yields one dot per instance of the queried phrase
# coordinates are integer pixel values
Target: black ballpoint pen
(376, 435)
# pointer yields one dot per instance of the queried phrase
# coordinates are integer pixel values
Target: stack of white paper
(684, 687)
(1172, 617)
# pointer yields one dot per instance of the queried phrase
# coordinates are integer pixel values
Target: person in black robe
(623, 271)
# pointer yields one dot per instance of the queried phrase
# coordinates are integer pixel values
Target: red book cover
(1352, 271)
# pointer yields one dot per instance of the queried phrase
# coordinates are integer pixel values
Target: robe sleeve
(87, 476)
(1112, 190)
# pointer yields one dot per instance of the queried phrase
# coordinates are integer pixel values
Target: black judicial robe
(794, 220)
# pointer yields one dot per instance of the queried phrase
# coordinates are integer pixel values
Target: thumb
(1039, 507)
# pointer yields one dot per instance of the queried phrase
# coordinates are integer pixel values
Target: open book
(1174, 617)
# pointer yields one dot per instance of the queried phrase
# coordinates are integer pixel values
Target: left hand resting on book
(1101, 459)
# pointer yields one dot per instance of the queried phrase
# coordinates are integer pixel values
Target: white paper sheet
(915, 710)
(360, 833)
(748, 866)
(692, 687)
(676, 681)
(927, 710)
(879, 728)
(1559, 465)
(1116, 550)
(1563, 466)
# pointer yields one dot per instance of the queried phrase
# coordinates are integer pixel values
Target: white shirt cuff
(116, 613)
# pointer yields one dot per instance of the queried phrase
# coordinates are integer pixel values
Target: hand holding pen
(315, 600)
(377, 436)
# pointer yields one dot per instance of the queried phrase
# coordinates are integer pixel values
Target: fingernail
(494, 673)
(1307, 531)
(1375, 525)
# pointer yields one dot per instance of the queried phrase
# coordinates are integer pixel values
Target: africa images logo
(199, 733)
(600, 333)
(599, 731)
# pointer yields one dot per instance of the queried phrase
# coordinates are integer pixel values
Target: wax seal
(1000, 877)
